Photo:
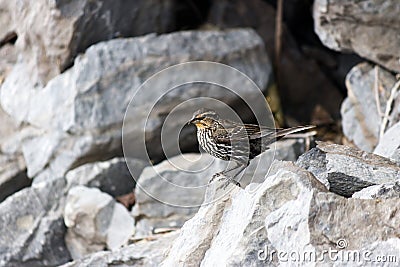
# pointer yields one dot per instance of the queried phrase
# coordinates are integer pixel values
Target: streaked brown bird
(228, 140)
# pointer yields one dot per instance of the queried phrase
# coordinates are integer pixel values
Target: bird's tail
(280, 133)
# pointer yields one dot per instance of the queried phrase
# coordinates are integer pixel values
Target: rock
(343, 222)
(361, 118)
(95, 222)
(33, 230)
(82, 110)
(111, 177)
(218, 238)
(344, 170)
(12, 174)
(51, 34)
(389, 144)
(371, 31)
(295, 97)
(383, 191)
(142, 253)
(289, 215)
(170, 193)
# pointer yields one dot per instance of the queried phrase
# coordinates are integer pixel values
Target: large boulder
(171, 192)
(369, 89)
(368, 28)
(290, 217)
(51, 33)
(344, 170)
(35, 230)
(111, 177)
(32, 232)
(142, 253)
(78, 116)
(95, 222)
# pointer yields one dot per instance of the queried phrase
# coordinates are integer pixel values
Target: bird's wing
(232, 131)
(235, 131)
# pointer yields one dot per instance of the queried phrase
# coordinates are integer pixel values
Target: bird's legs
(225, 171)
(230, 179)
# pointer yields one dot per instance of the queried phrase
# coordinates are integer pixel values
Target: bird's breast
(208, 143)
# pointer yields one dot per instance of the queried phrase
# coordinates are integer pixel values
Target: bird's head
(204, 118)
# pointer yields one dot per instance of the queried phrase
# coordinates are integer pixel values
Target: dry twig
(388, 108)
(376, 92)
(278, 38)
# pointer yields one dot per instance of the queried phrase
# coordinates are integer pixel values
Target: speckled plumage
(228, 140)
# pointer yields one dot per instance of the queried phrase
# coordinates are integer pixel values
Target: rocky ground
(68, 70)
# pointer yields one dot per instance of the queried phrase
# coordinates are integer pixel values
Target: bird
(233, 141)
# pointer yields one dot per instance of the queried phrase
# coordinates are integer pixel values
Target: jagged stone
(346, 170)
(369, 28)
(142, 253)
(361, 113)
(289, 218)
(95, 222)
(111, 177)
(82, 110)
(33, 229)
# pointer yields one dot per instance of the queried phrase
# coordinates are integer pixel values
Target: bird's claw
(227, 180)
(214, 177)
(230, 181)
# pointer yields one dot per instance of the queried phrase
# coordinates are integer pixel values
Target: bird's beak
(192, 121)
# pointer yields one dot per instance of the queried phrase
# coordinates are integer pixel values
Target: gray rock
(264, 226)
(32, 232)
(389, 144)
(51, 34)
(383, 191)
(342, 223)
(344, 170)
(81, 118)
(361, 117)
(369, 28)
(170, 193)
(95, 222)
(111, 177)
(290, 212)
(142, 253)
